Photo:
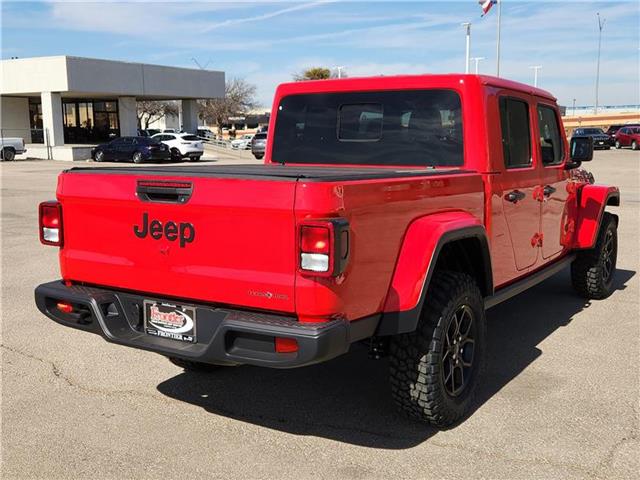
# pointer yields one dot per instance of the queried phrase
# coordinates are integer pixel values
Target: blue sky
(267, 42)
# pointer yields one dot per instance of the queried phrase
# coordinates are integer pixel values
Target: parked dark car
(628, 137)
(600, 139)
(137, 149)
(259, 145)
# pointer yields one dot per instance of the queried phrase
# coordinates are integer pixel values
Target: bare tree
(239, 97)
(150, 111)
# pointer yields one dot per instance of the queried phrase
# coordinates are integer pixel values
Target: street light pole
(574, 107)
(535, 74)
(601, 22)
(498, 39)
(339, 69)
(477, 61)
(467, 25)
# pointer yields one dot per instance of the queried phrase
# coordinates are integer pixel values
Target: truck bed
(272, 172)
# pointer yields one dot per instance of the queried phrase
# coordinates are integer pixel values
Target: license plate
(168, 320)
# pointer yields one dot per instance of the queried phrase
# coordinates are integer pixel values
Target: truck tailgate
(230, 242)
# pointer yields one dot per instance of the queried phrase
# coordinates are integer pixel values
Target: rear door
(553, 194)
(230, 241)
(520, 178)
(125, 148)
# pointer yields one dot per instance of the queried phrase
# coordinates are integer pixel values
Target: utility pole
(601, 22)
(467, 26)
(339, 69)
(535, 74)
(477, 61)
(498, 39)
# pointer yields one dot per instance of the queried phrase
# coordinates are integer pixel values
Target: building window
(90, 121)
(35, 120)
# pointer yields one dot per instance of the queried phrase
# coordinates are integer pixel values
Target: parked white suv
(182, 145)
(10, 147)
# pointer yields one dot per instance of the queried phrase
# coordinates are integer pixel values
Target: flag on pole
(486, 6)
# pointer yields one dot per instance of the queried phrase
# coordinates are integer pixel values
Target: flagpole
(498, 40)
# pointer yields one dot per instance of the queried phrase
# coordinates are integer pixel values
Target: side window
(550, 140)
(516, 135)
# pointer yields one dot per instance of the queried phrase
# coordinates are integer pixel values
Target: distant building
(62, 105)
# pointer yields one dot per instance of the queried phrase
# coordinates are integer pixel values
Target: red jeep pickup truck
(392, 210)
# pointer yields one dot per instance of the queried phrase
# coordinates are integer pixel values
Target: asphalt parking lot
(560, 399)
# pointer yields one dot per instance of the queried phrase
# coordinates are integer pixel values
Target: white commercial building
(63, 105)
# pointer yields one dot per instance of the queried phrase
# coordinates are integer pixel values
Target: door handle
(514, 196)
(548, 190)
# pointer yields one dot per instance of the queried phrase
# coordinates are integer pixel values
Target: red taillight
(286, 345)
(315, 239)
(324, 247)
(64, 307)
(50, 220)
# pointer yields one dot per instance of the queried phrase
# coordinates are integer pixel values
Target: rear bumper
(224, 336)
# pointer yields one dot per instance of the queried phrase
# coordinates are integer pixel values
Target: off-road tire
(193, 366)
(8, 154)
(593, 270)
(417, 359)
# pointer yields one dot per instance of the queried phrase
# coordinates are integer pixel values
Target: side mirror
(581, 150)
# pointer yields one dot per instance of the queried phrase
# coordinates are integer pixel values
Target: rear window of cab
(403, 128)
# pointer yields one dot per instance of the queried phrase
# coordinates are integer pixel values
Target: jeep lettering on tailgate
(172, 231)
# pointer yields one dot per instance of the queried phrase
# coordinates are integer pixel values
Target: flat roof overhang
(78, 77)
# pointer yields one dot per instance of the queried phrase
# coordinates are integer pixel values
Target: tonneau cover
(272, 172)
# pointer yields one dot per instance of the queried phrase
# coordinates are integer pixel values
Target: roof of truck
(406, 82)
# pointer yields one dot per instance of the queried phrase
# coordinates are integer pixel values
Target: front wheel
(593, 270)
(99, 156)
(435, 370)
(618, 144)
(634, 145)
(137, 157)
(258, 156)
(195, 159)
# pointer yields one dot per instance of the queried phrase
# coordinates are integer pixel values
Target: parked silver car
(259, 144)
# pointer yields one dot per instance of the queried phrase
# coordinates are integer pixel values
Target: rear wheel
(593, 270)
(137, 157)
(195, 159)
(193, 366)
(435, 370)
(176, 156)
(258, 156)
(8, 154)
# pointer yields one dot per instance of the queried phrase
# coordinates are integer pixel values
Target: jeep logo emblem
(172, 231)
